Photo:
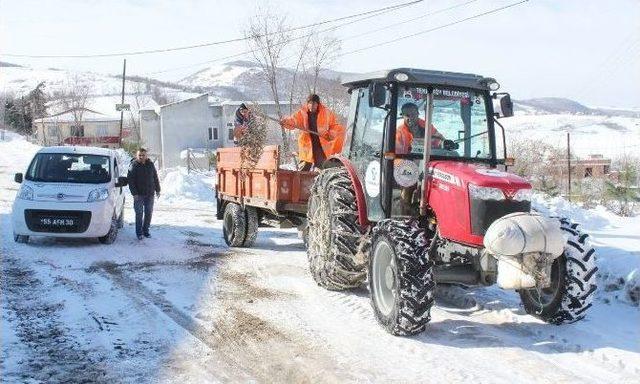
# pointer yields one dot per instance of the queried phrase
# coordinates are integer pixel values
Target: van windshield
(69, 168)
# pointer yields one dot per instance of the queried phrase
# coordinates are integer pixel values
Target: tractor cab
(402, 118)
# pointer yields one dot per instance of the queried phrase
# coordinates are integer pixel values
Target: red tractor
(420, 196)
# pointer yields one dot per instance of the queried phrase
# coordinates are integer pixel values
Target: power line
(495, 10)
(208, 44)
(322, 31)
(409, 20)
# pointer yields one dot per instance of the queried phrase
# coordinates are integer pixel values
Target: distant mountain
(558, 105)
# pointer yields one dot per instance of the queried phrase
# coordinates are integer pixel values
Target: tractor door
(365, 136)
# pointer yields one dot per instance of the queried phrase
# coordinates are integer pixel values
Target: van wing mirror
(18, 178)
(122, 181)
(377, 95)
(502, 106)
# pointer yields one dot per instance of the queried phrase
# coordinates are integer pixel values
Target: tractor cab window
(459, 129)
(459, 123)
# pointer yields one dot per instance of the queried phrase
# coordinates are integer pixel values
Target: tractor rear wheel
(401, 279)
(573, 282)
(334, 234)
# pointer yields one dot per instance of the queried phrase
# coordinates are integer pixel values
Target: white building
(198, 122)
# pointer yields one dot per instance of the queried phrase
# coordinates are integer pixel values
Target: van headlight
(25, 193)
(485, 193)
(98, 194)
(523, 195)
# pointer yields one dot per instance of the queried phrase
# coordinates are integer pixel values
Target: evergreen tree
(624, 193)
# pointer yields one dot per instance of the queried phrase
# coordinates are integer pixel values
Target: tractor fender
(361, 202)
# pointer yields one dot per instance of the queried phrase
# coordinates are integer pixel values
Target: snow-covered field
(182, 307)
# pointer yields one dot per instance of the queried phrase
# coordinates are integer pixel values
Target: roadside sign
(123, 107)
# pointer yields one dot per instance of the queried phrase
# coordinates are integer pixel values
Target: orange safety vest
(404, 137)
(330, 131)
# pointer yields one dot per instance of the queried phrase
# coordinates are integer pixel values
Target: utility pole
(124, 72)
(569, 166)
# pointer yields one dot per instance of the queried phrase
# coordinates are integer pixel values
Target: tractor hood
(464, 173)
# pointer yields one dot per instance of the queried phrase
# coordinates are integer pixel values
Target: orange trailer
(263, 194)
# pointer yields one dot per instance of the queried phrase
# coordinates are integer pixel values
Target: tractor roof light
(491, 83)
(401, 76)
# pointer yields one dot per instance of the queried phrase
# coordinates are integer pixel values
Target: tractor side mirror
(450, 145)
(18, 178)
(503, 106)
(377, 95)
(122, 181)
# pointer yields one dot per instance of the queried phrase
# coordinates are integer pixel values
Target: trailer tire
(234, 225)
(401, 281)
(573, 282)
(252, 226)
(334, 234)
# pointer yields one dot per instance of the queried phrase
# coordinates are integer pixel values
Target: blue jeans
(143, 206)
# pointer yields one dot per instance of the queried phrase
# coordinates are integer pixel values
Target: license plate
(57, 221)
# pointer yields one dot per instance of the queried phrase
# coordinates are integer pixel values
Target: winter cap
(313, 98)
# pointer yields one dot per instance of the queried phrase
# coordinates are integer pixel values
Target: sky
(586, 50)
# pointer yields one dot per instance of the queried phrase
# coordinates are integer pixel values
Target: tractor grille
(54, 221)
(485, 212)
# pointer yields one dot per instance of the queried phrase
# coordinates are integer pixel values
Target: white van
(70, 192)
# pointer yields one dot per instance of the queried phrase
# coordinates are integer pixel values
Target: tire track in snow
(248, 346)
(52, 353)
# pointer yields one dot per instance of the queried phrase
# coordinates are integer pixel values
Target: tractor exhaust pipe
(459, 274)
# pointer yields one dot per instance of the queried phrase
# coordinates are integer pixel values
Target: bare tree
(321, 52)
(140, 98)
(268, 38)
(74, 97)
(539, 162)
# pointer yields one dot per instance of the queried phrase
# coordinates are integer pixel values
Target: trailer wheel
(234, 225)
(334, 234)
(252, 226)
(401, 280)
(573, 282)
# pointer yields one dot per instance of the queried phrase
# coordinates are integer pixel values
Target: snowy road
(182, 307)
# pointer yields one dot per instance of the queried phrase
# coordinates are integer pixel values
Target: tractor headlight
(98, 195)
(485, 193)
(522, 195)
(25, 193)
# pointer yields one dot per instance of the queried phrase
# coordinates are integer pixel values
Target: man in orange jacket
(413, 126)
(321, 135)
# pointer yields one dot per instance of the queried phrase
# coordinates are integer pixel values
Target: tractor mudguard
(361, 203)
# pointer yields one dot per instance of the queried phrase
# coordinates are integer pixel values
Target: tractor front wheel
(573, 282)
(401, 279)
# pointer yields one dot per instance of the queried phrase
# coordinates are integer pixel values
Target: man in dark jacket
(143, 182)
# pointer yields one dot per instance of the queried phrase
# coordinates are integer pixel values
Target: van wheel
(110, 237)
(234, 225)
(23, 239)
